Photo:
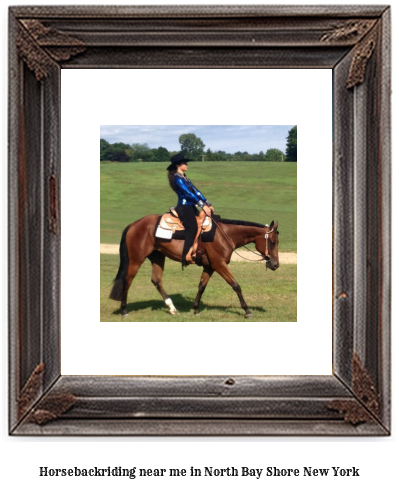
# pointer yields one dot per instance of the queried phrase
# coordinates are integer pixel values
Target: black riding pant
(187, 214)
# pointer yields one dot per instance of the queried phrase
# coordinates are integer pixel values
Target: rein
(244, 246)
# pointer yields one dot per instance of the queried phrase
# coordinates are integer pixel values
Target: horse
(138, 243)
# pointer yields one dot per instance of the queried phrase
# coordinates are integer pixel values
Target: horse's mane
(241, 222)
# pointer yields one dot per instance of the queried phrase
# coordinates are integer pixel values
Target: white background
(262, 97)
(21, 457)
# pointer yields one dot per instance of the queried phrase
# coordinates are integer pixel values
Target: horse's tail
(119, 282)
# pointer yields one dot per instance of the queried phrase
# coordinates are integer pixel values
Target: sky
(229, 138)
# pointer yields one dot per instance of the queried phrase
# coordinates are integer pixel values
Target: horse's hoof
(125, 315)
(196, 313)
(173, 311)
(248, 315)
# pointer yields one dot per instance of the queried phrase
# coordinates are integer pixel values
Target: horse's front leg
(224, 271)
(158, 263)
(206, 275)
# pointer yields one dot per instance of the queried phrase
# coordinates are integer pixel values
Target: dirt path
(285, 258)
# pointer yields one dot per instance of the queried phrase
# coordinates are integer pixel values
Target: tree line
(193, 148)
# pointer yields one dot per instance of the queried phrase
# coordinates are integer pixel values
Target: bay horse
(139, 242)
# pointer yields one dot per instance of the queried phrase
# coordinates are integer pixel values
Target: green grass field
(271, 296)
(253, 191)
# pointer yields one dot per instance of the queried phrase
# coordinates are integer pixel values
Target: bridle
(267, 242)
(264, 257)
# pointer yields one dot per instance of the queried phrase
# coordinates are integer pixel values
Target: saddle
(170, 223)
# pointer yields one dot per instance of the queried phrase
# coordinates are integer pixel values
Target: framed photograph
(352, 44)
(244, 189)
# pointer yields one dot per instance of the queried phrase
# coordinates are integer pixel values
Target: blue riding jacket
(187, 193)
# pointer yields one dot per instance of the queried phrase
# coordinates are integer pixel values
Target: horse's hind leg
(206, 275)
(224, 271)
(131, 273)
(158, 262)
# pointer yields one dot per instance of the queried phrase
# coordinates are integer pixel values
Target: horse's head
(267, 245)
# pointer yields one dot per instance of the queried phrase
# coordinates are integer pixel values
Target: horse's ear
(276, 225)
(272, 224)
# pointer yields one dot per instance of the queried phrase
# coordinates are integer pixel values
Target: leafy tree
(114, 152)
(256, 157)
(161, 154)
(104, 145)
(142, 152)
(120, 146)
(241, 156)
(107, 154)
(121, 152)
(191, 146)
(291, 145)
(237, 156)
(274, 155)
(119, 156)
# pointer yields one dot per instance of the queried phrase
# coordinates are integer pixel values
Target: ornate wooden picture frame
(352, 41)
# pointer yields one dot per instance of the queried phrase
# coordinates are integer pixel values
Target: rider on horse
(189, 197)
